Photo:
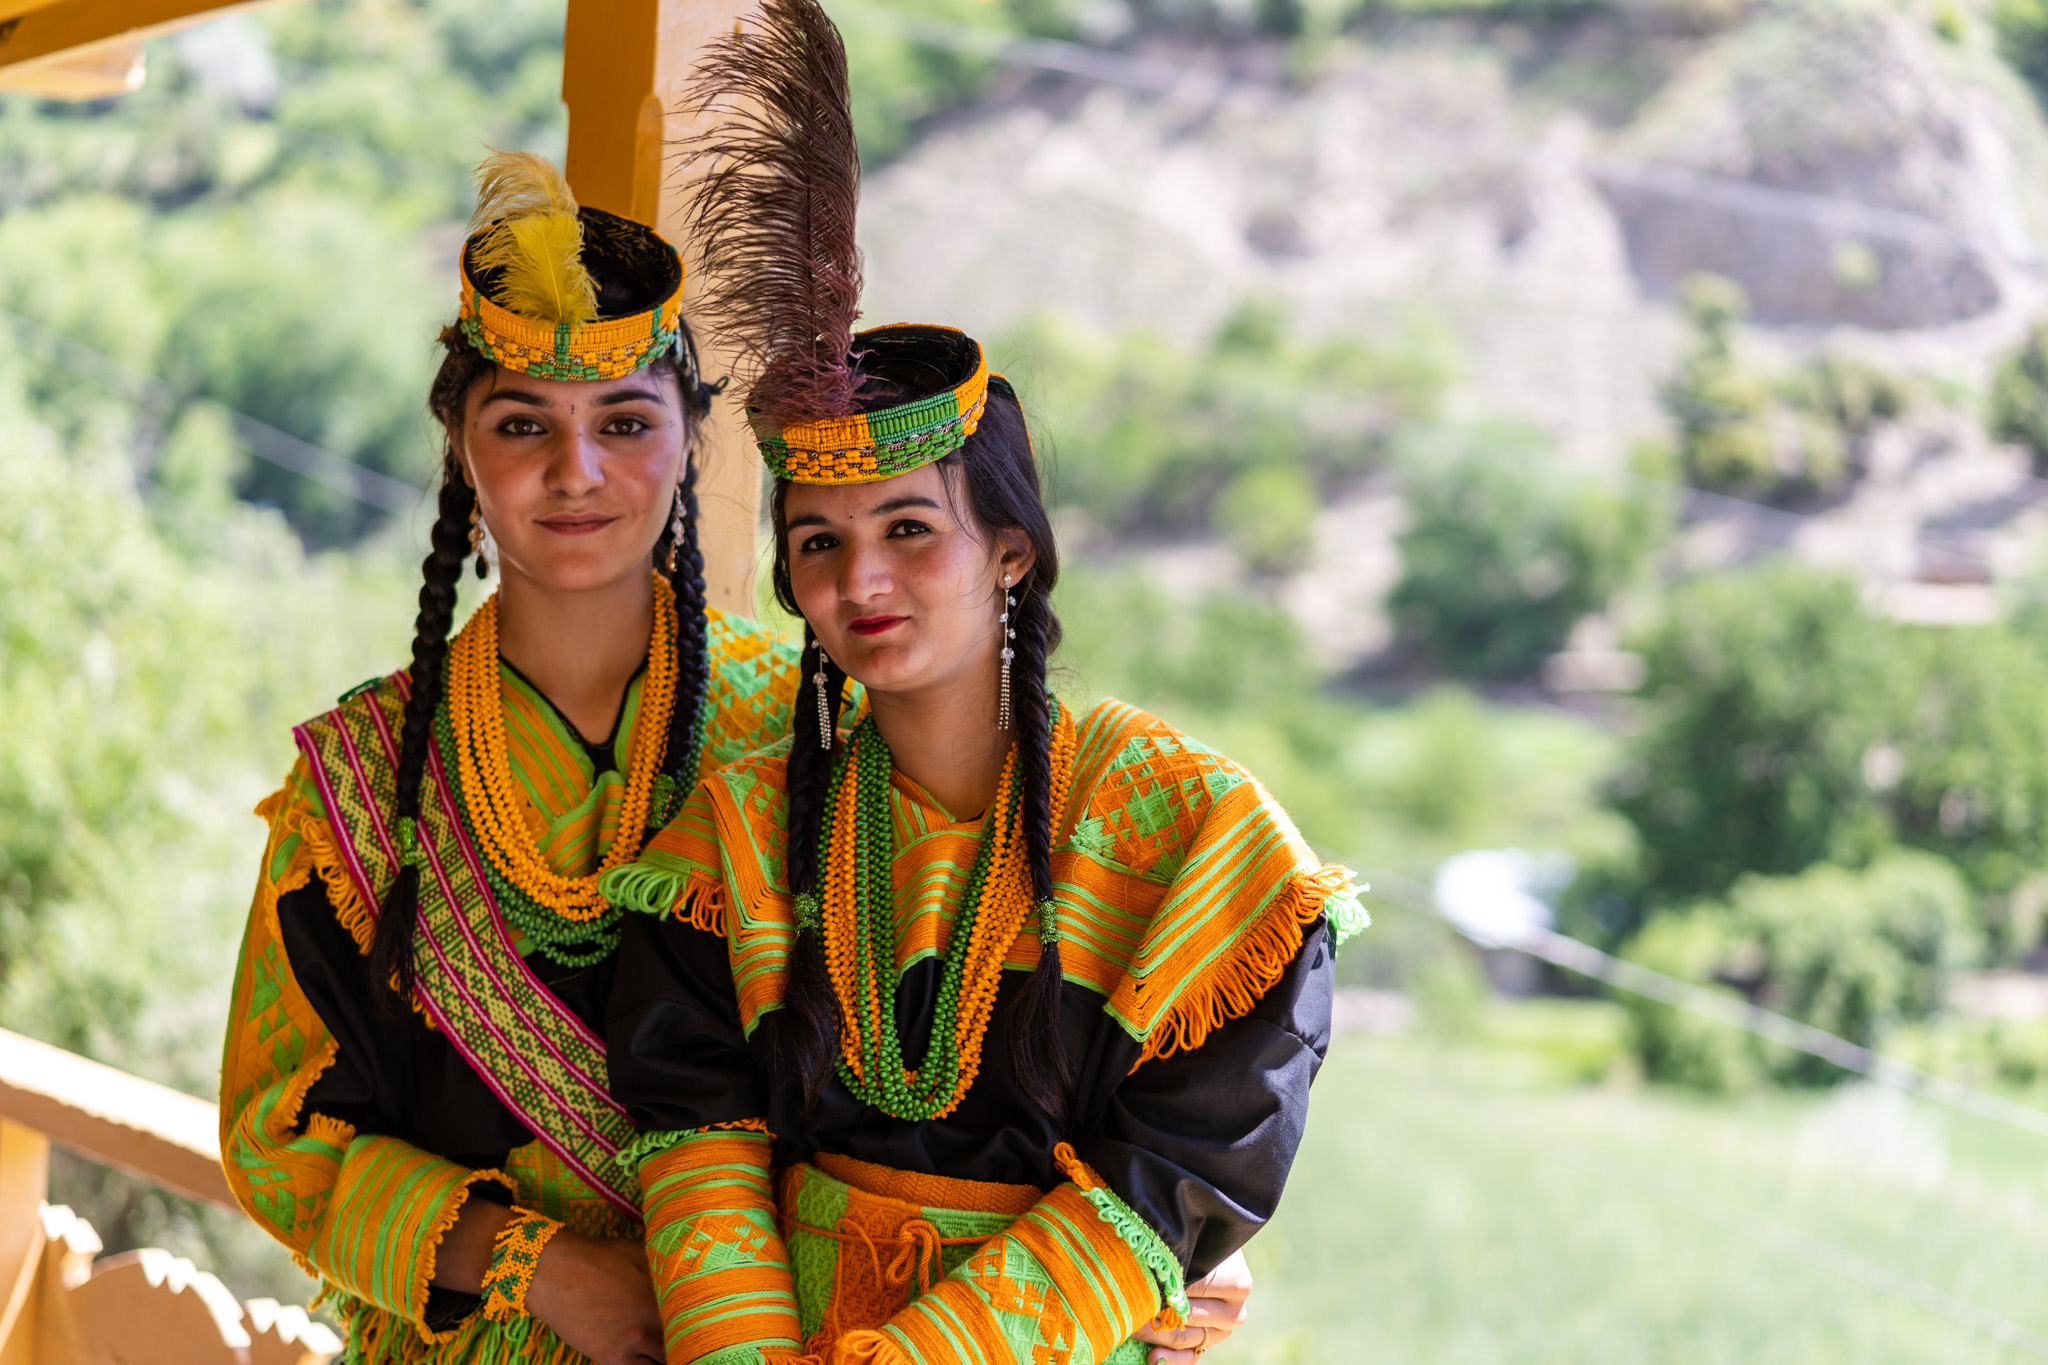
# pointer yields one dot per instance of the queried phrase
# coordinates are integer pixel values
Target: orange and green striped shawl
(1182, 886)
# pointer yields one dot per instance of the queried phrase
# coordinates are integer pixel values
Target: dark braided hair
(999, 474)
(463, 367)
(390, 955)
(808, 1038)
(681, 561)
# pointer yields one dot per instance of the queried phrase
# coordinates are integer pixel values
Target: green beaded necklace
(888, 1085)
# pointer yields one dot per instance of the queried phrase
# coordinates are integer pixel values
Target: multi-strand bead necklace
(856, 909)
(565, 917)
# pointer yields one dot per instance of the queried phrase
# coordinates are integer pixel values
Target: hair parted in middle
(622, 267)
(774, 223)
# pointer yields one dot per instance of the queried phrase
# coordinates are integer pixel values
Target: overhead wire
(1583, 959)
(350, 478)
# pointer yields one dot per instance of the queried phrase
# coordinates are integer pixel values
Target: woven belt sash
(867, 1240)
(540, 1060)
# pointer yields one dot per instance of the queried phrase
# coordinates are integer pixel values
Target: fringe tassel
(288, 817)
(649, 1145)
(316, 841)
(691, 897)
(1348, 916)
(378, 1337)
(318, 854)
(285, 1117)
(866, 1347)
(1233, 987)
(275, 809)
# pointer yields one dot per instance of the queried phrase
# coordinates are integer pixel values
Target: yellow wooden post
(624, 70)
(24, 1178)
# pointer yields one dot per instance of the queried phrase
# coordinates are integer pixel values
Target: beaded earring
(479, 540)
(1009, 653)
(824, 706)
(675, 529)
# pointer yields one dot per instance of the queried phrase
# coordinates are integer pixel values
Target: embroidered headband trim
(560, 291)
(606, 349)
(868, 446)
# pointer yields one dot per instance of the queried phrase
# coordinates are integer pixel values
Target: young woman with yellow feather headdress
(973, 1029)
(414, 1096)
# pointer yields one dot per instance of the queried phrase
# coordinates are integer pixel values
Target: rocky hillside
(1875, 179)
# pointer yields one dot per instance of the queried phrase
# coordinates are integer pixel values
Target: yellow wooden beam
(146, 1129)
(71, 29)
(625, 66)
(100, 72)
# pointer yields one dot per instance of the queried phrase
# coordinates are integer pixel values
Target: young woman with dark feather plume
(414, 1093)
(958, 1027)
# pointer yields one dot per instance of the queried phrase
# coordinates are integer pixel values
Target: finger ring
(1205, 1342)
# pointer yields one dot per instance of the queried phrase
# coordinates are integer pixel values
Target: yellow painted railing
(61, 1302)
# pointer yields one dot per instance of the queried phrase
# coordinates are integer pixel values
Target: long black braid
(681, 561)
(440, 572)
(1040, 1057)
(808, 1038)
(462, 368)
(1000, 477)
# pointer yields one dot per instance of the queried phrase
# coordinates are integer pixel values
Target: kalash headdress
(561, 292)
(773, 220)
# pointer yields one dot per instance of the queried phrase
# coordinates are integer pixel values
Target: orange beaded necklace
(492, 796)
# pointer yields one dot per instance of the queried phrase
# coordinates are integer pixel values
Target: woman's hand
(1216, 1304)
(597, 1295)
(595, 1292)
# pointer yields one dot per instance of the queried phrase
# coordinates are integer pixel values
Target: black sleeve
(672, 1032)
(1200, 1143)
(386, 1063)
(391, 1073)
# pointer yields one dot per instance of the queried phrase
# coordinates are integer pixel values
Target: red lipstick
(875, 625)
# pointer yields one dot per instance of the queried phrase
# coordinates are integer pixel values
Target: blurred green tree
(1764, 691)
(1243, 436)
(1855, 953)
(1505, 552)
(1745, 430)
(1785, 725)
(2022, 29)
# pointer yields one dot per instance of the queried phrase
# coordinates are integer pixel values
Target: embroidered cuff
(1152, 1252)
(648, 1145)
(515, 1255)
(721, 1272)
(385, 1220)
(1061, 1283)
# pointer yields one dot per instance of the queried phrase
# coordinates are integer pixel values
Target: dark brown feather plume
(773, 218)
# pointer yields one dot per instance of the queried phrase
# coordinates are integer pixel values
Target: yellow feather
(535, 237)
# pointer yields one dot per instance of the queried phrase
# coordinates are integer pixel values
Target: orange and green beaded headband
(605, 349)
(539, 275)
(881, 444)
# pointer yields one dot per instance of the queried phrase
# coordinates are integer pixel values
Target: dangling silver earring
(824, 707)
(479, 541)
(1009, 653)
(675, 530)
